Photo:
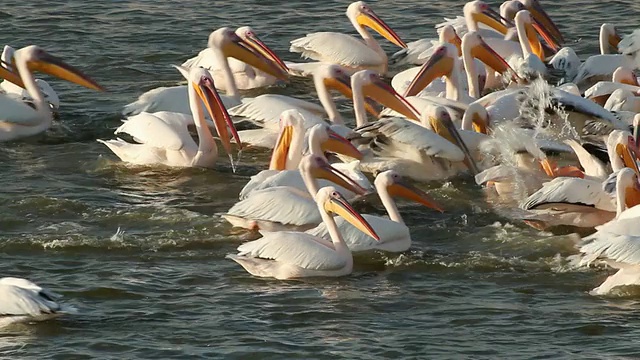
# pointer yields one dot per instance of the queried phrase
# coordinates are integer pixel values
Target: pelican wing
(415, 53)
(396, 137)
(630, 45)
(296, 248)
(603, 88)
(266, 110)
(570, 191)
(592, 165)
(495, 173)
(567, 61)
(617, 240)
(152, 130)
(278, 204)
(575, 103)
(336, 48)
(171, 99)
(597, 66)
(13, 110)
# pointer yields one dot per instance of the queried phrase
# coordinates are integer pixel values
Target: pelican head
(248, 51)
(543, 19)
(202, 82)
(441, 63)
(318, 167)
(332, 202)
(335, 77)
(439, 120)
(479, 49)
(290, 122)
(476, 118)
(510, 8)
(625, 149)
(7, 74)
(248, 35)
(449, 35)
(624, 75)
(627, 181)
(532, 27)
(37, 59)
(330, 141)
(480, 12)
(361, 14)
(397, 186)
(375, 88)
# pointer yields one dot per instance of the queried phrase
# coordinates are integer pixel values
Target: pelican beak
(457, 41)
(336, 176)
(410, 192)
(439, 64)
(281, 150)
(340, 145)
(455, 138)
(221, 119)
(371, 20)
(245, 52)
(537, 28)
(383, 93)
(548, 167)
(487, 55)
(614, 39)
(632, 195)
(494, 20)
(263, 49)
(543, 18)
(628, 156)
(342, 83)
(569, 171)
(340, 206)
(11, 76)
(54, 66)
(480, 125)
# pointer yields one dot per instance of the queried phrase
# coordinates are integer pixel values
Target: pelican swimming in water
(617, 243)
(223, 43)
(163, 137)
(18, 120)
(289, 254)
(346, 50)
(393, 234)
(285, 208)
(23, 301)
(245, 76)
(10, 88)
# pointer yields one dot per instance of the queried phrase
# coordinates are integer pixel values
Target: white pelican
(418, 51)
(224, 43)
(479, 16)
(413, 150)
(288, 254)
(50, 96)
(163, 137)
(617, 243)
(622, 78)
(245, 76)
(623, 100)
(579, 202)
(530, 64)
(346, 50)
(567, 62)
(24, 301)
(285, 208)
(18, 120)
(283, 168)
(601, 67)
(393, 234)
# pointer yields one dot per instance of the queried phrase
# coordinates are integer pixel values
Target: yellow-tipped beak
(339, 206)
(51, 65)
(334, 175)
(340, 145)
(384, 94)
(371, 20)
(628, 157)
(548, 167)
(221, 119)
(411, 192)
(11, 77)
(534, 43)
(281, 150)
(245, 52)
(438, 65)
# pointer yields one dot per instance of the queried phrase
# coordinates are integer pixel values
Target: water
(474, 285)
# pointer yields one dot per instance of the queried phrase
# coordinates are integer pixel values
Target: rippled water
(474, 284)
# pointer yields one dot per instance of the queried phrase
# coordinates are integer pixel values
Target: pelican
(617, 243)
(479, 16)
(18, 120)
(24, 301)
(245, 76)
(289, 255)
(346, 50)
(413, 150)
(286, 208)
(163, 137)
(283, 168)
(393, 234)
(622, 78)
(601, 67)
(223, 43)
(50, 96)
(418, 51)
